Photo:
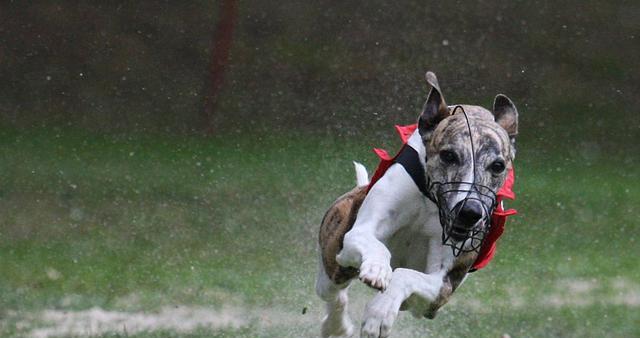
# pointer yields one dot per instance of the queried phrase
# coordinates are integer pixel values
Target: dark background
(572, 67)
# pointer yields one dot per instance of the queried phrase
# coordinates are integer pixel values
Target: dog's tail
(361, 174)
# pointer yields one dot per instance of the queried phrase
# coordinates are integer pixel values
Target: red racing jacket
(498, 217)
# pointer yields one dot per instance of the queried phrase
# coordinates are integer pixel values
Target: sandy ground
(182, 319)
(98, 321)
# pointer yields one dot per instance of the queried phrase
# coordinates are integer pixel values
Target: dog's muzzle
(466, 223)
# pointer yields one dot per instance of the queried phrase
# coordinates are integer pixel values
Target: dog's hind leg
(333, 280)
(337, 322)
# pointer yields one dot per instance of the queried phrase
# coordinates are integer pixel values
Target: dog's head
(469, 152)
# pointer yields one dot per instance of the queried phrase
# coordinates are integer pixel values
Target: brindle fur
(336, 222)
(489, 139)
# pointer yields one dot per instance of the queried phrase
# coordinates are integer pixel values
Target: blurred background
(161, 158)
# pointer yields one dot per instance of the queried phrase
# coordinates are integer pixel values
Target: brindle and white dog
(391, 236)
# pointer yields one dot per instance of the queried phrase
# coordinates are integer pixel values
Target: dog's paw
(379, 316)
(375, 273)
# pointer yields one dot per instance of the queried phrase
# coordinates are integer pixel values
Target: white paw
(375, 273)
(379, 316)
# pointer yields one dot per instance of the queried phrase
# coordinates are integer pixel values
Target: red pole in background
(220, 46)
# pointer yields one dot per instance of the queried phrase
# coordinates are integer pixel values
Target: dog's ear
(435, 109)
(506, 115)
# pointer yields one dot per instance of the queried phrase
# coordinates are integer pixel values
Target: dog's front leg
(382, 310)
(363, 249)
(371, 257)
(392, 202)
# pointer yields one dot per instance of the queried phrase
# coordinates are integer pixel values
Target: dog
(414, 242)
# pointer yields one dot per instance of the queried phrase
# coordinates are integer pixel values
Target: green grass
(138, 223)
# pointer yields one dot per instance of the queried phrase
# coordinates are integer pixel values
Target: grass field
(157, 236)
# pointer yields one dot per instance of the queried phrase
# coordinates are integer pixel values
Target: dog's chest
(410, 245)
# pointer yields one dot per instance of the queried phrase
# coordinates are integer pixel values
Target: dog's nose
(471, 212)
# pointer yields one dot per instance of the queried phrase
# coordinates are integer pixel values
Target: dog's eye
(448, 157)
(497, 167)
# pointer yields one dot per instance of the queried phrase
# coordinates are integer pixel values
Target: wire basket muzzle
(456, 231)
